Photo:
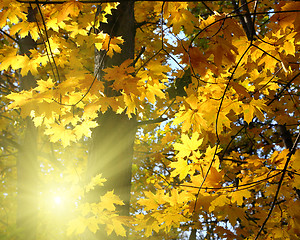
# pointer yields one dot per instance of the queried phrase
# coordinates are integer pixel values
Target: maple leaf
(179, 197)
(117, 72)
(9, 57)
(150, 202)
(130, 103)
(111, 44)
(289, 47)
(46, 108)
(44, 85)
(239, 195)
(180, 16)
(294, 163)
(235, 213)
(59, 132)
(182, 168)
(71, 8)
(24, 29)
(109, 200)
(92, 224)
(192, 100)
(96, 181)
(84, 129)
(19, 98)
(188, 145)
(219, 202)
(224, 52)
(154, 90)
(255, 108)
(117, 226)
(91, 110)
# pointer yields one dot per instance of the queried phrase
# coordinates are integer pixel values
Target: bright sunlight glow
(57, 200)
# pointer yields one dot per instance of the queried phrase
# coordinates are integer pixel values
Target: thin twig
(7, 35)
(292, 151)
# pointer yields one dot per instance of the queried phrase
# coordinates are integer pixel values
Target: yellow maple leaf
(92, 224)
(24, 28)
(188, 145)
(181, 168)
(69, 8)
(109, 200)
(44, 85)
(218, 202)
(192, 101)
(289, 47)
(180, 16)
(295, 163)
(111, 44)
(91, 111)
(84, 129)
(155, 90)
(46, 108)
(239, 195)
(117, 226)
(214, 178)
(18, 99)
(116, 72)
(51, 23)
(254, 108)
(59, 132)
(130, 103)
(150, 201)
(9, 57)
(234, 214)
(179, 197)
(223, 120)
(248, 112)
(96, 181)
(66, 86)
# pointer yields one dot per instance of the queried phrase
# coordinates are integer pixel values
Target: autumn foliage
(214, 87)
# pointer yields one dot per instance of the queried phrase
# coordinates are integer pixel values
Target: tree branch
(242, 19)
(7, 35)
(292, 151)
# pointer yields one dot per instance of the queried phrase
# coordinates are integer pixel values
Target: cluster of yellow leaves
(60, 103)
(135, 88)
(167, 211)
(105, 42)
(11, 12)
(91, 215)
(44, 107)
(179, 17)
(189, 149)
(67, 106)
(232, 79)
(10, 58)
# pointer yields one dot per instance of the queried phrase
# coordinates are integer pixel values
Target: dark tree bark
(245, 20)
(111, 151)
(27, 166)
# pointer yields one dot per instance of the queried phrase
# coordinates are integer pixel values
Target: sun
(57, 200)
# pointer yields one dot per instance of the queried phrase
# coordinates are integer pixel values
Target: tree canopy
(211, 89)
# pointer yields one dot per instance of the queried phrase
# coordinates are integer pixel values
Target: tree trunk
(111, 151)
(27, 166)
